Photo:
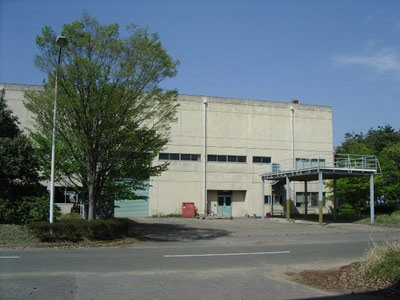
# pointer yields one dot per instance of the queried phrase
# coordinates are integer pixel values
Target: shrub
(347, 212)
(75, 230)
(382, 263)
(26, 209)
(387, 208)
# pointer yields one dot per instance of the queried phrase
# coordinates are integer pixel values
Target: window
(163, 156)
(312, 198)
(227, 158)
(191, 157)
(232, 158)
(185, 156)
(221, 158)
(174, 156)
(242, 159)
(261, 159)
(276, 167)
(306, 163)
(195, 157)
(178, 156)
(267, 199)
(212, 158)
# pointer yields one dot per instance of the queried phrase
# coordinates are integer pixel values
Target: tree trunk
(92, 196)
(92, 203)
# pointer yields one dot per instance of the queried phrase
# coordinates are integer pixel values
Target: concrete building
(219, 147)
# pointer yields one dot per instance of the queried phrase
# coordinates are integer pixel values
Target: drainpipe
(262, 199)
(205, 157)
(292, 130)
(289, 203)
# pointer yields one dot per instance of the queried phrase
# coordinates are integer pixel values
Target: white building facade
(218, 149)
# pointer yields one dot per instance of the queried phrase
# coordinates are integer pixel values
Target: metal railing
(356, 161)
(318, 160)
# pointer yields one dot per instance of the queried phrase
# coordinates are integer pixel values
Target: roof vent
(294, 101)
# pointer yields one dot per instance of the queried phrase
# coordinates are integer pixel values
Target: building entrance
(224, 204)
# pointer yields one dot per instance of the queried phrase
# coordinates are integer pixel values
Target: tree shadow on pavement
(158, 232)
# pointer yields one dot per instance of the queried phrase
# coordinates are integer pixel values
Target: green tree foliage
(390, 161)
(112, 116)
(384, 142)
(22, 198)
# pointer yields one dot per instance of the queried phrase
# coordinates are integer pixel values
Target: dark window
(177, 156)
(256, 159)
(221, 157)
(266, 160)
(212, 157)
(227, 158)
(195, 157)
(232, 158)
(261, 159)
(185, 156)
(163, 156)
(174, 156)
(242, 159)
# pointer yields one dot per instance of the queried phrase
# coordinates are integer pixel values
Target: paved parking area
(184, 229)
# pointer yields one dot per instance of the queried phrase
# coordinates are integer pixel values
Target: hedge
(75, 230)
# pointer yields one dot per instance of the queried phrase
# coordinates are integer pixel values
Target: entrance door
(224, 206)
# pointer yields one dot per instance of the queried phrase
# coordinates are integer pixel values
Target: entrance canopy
(320, 167)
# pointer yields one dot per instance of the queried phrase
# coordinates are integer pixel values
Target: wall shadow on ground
(159, 232)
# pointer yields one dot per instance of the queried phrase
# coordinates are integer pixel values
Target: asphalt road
(191, 259)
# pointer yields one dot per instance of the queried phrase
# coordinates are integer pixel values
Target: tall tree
(112, 115)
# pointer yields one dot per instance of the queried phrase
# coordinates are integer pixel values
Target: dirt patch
(346, 280)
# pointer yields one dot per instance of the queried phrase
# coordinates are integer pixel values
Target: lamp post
(61, 42)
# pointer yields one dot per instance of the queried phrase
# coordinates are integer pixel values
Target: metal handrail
(319, 160)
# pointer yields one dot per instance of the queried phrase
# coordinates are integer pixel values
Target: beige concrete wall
(237, 127)
(14, 96)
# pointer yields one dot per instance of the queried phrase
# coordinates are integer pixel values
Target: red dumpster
(188, 210)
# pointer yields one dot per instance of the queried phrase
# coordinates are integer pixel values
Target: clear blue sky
(342, 53)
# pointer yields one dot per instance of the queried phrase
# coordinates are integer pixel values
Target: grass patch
(346, 216)
(385, 219)
(382, 263)
(378, 273)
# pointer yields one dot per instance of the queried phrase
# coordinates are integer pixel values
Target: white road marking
(9, 257)
(227, 254)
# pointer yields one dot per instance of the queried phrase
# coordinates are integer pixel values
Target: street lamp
(61, 42)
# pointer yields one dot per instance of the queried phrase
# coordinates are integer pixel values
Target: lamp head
(61, 41)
